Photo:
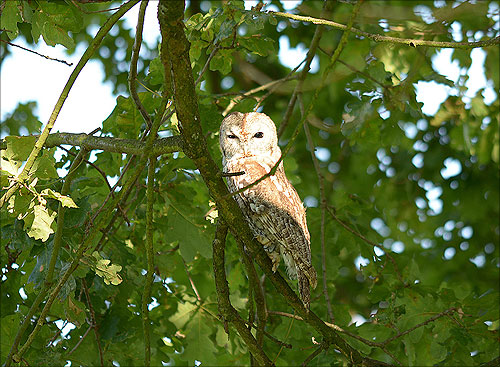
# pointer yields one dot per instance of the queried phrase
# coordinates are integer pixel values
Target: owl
(272, 208)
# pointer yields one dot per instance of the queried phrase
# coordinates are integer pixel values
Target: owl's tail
(307, 279)
(304, 288)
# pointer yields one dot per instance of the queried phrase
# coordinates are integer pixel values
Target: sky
(91, 100)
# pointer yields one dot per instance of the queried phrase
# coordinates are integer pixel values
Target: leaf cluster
(405, 218)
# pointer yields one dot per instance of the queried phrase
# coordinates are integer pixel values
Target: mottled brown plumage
(272, 208)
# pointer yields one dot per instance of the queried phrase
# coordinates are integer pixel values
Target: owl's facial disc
(248, 135)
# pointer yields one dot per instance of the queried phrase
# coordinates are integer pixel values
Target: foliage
(410, 246)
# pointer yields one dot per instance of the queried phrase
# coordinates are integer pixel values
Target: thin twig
(274, 339)
(227, 311)
(323, 205)
(130, 163)
(433, 318)
(193, 286)
(97, 168)
(205, 67)
(49, 278)
(258, 295)
(323, 346)
(232, 174)
(93, 320)
(380, 38)
(91, 12)
(80, 341)
(58, 332)
(132, 75)
(36, 53)
(91, 235)
(146, 296)
(271, 86)
(291, 75)
(318, 32)
(286, 337)
(356, 233)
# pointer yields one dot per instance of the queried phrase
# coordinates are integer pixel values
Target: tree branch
(323, 205)
(103, 219)
(108, 144)
(132, 75)
(356, 233)
(380, 38)
(176, 47)
(94, 44)
(318, 32)
(53, 257)
(93, 320)
(323, 346)
(146, 296)
(329, 67)
(36, 53)
(228, 312)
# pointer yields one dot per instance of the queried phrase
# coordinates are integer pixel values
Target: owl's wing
(277, 206)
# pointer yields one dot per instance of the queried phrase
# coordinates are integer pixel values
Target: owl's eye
(231, 136)
(259, 135)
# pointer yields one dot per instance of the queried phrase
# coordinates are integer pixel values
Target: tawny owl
(272, 208)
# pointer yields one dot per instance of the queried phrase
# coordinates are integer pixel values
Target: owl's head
(247, 135)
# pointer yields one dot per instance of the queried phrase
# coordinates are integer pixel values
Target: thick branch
(228, 312)
(108, 144)
(96, 228)
(380, 38)
(175, 46)
(94, 44)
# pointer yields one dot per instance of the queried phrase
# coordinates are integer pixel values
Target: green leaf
(195, 50)
(156, 71)
(9, 19)
(109, 273)
(259, 44)
(438, 351)
(21, 118)
(53, 20)
(38, 223)
(225, 30)
(9, 168)
(198, 340)
(184, 312)
(222, 61)
(44, 166)
(74, 311)
(189, 246)
(63, 14)
(19, 148)
(66, 201)
(8, 327)
(37, 276)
